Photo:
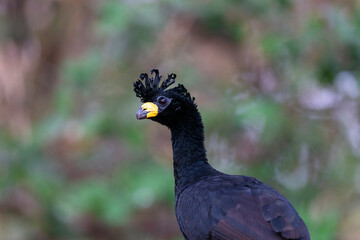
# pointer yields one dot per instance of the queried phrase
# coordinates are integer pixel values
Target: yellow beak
(147, 110)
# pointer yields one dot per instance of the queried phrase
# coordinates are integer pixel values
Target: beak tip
(141, 114)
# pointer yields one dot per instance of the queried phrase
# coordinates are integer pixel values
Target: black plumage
(211, 204)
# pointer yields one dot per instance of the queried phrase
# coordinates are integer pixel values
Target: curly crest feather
(146, 88)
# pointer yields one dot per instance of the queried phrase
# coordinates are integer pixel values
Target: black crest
(146, 88)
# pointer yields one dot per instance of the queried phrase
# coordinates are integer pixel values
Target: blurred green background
(277, 83)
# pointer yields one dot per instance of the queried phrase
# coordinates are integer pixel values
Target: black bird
(211, 204)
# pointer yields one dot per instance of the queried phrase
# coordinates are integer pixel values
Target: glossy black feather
(238, 207)
(210, 204)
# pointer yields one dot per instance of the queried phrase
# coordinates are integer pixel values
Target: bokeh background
(277, 83)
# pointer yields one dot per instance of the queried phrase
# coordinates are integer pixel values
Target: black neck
(189, 154)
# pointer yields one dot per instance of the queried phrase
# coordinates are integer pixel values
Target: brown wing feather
(260, 213)
(238, 208)
(244, 221)
(281, 214)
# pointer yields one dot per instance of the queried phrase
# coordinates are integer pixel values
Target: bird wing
(255, 211)
(280, 213)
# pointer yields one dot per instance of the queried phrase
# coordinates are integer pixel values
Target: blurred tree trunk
(39, 35)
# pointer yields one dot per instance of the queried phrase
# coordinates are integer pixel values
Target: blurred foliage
(277, 83)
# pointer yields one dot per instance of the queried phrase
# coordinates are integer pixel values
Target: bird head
(166, 106)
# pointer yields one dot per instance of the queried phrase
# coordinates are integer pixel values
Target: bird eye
(162, 100)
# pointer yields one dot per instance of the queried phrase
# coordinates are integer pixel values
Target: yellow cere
(151, 108)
